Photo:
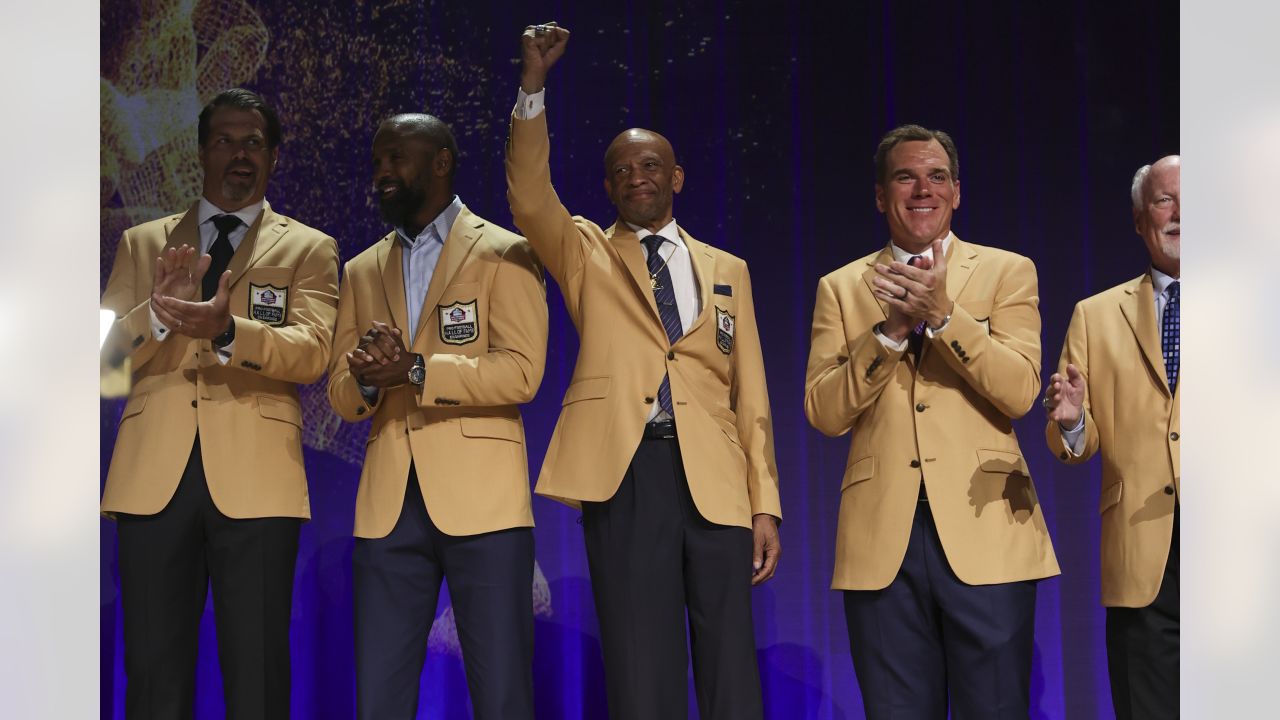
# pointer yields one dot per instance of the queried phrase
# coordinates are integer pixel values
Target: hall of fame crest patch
(459, 323)
(724, 330)
(268, 304)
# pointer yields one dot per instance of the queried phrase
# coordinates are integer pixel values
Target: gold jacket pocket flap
(490, 427)
(1110, 496)
(589, 388)
(858, 471)
(277, 409)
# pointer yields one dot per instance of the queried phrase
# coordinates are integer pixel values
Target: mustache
(1173, 227)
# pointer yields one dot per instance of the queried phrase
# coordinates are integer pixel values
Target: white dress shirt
(684, 284)
(418, 259)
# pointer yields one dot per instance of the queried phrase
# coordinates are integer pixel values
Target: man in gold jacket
(225, 308)
(442, 334)
(927, 350)
(665, 438)
(1116, 392)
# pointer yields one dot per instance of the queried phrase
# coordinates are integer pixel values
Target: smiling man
(665, 437)
(442, 334)
(227, 308)
(927, 350)
(1116, 392)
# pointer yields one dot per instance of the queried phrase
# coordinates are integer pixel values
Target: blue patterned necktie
(220, 253)
(1170, 332)
(668, 311)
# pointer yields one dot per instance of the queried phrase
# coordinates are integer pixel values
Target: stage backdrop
(774, 110)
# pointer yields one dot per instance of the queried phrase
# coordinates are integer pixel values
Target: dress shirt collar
(667, 232)
(1160, 281)
(903, 256)
(442, 224)
(247, 214)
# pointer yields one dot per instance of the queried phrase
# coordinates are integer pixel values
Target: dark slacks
(651, 556)
(167, 563)
(1142, 650)
(928, 637)
(397, 584)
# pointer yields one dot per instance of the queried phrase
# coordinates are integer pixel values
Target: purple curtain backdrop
(774, 110)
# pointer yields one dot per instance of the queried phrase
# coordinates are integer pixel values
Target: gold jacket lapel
(1139, 308)
(392, 271)
(265, 232)
(704, 272)
(466, 231)
(627, 246)
(185, 230)
(961, 261)
(884, 258)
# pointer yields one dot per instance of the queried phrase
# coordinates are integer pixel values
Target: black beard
(397, 209)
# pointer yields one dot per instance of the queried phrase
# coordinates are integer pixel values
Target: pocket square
(726, 290)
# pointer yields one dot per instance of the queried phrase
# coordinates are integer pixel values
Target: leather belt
(659, 429)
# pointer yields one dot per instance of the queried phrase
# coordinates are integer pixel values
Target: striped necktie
(668, 311)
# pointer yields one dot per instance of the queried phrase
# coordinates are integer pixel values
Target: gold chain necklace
(653, 276)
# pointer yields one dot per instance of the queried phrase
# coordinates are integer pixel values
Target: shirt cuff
(158, 329)
(225, 352)
(888, 343)
(1074, 438)
(529, 106)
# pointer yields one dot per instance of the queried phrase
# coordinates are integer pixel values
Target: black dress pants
(929, 640)
(652, 556)
(1142, 650)
(167, 562)
(397, 585)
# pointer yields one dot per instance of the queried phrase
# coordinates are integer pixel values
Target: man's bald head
(643, 137)
(641, 177)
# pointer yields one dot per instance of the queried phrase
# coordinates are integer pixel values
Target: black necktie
(668, 311)
(1170, 330)
(220, 253)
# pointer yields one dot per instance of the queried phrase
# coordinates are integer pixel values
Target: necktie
(1170, 330)
(915, 341)
(220, 253)
(668, 311)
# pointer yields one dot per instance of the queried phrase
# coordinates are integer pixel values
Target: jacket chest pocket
(725, 317)
(460, 314)
(268, 294)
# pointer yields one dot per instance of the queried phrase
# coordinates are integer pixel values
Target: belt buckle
(661, 429)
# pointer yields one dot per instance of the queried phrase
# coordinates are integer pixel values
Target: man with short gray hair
(1116, 392)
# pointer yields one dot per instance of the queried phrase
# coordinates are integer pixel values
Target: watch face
(417, 374)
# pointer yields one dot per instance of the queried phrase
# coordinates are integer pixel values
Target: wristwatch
(418, 373)
(227, 337)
